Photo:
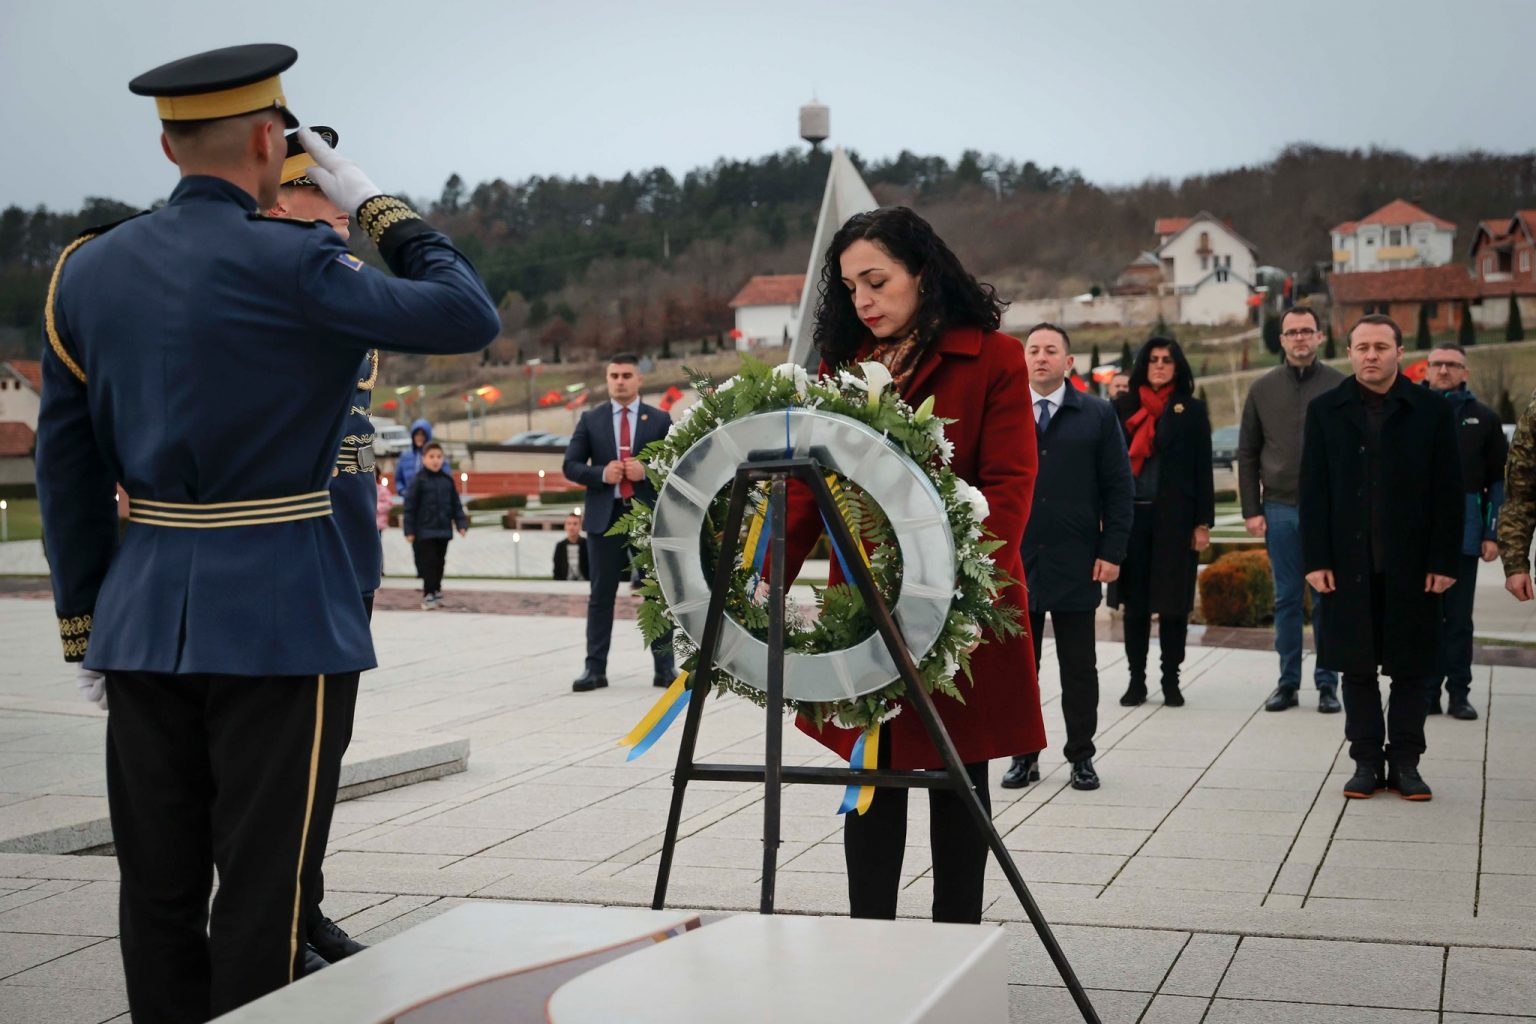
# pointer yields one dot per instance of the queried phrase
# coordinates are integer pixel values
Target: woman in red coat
(893, 292)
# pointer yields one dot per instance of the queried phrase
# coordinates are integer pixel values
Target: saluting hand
(342, 181)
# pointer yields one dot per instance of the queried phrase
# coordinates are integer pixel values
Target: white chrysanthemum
(847, 380)
(890, 712)
(796, 373)
(725, 385)
(973, 497)
(946, 449)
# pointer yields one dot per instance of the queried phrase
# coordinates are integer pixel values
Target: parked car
(555, 440)
(528, 437)
(390, 438)
(1224, 446)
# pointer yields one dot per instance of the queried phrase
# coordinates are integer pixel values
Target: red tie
(626, 488)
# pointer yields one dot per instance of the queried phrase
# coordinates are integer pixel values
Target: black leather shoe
(1133, 696)
(1460, 707)
(1172, 697)
(1407, 783)
(332, 942)
(1022, 772)
(1083, 775)
(1366, 780)
(589, 682)
(1328, 702)
(1283, 697)
(313, 961)
(1434, 706)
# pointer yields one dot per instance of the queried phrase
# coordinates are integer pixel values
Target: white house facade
(1398, 236)
(1209, 266)
(765, 310)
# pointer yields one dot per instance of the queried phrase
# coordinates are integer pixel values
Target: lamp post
(5, 521)
(463, 483)
(541, 485)
(517, 553)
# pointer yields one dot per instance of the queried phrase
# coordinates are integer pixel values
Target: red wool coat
(979, 380)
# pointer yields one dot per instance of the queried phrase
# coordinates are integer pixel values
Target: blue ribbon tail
(851, 794)
(660, 727)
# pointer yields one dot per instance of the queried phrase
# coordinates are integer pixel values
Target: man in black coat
(602, 455)
(571, 561)
(1381, 519)
(1075, 540)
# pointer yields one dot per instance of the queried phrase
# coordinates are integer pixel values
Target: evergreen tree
(1271, 332)
(1160, 329)
(1126, 357)
(1514, 330)
(666, 348)
(1200, 394)
(1466, 334)
(1330, 347)
(1506, 408)
(1421, 338)
(1093, 358)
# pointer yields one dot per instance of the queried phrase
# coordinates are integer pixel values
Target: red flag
(1078, 382)
(669, 399)
(1255, 300)
(1417, 371)
(391, 404)
(489, 393)
(551, 398)
(734, 332)
(1104, 374)
(579, 401)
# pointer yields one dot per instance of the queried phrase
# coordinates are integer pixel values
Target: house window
(1205, 241)
(1205, 263)
(1487, 264)
(1228, 260)
(1525, 261)
(1395, 237)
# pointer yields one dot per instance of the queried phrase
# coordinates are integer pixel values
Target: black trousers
(875, 842)
(228, 773)
(1456, 633)
(431, 554)
(1399, 737)
(1135, 591)
(1078, 661)
(315, 917)
(608, 559)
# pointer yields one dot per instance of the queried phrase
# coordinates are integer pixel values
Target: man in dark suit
(1075, 539)
(1381, 521)
(602, 455)
(571, 553)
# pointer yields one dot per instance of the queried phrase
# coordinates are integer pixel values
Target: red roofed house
(1208, 265)
(765, 310)
(1400, 293)
(21, 385)
(1503, 258)
(1396, 237)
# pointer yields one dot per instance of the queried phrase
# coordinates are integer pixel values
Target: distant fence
(1115, 310)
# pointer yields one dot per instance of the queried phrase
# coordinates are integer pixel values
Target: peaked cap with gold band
(298, 162)
(222, 83)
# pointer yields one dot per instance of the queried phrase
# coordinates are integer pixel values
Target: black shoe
(1134, 695)
(1462, 708)
(662, 681)
(589, 682)
(1022, 772)
(1366, 780)
(1083, 775)
(1172, 697)
(332, 943)
(1328, 702)
(1283, 697)
(1406, 782)
(313, 961)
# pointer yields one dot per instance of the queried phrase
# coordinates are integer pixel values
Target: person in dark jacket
(567, 568)
(1381, 520)
(1168, 438)
(1074, 541)
(432, 511)
(410, 459)
(1483, 449)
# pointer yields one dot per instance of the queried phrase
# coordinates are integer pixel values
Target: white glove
(92, 686)
(342, 181)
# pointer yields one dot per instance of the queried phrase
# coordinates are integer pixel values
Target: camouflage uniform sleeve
(1517, 519)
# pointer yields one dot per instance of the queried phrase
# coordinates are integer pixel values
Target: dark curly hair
(1183, 376)
(948, 296)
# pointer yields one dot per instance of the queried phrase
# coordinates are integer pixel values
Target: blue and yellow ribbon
(866, 754)
(649, 729)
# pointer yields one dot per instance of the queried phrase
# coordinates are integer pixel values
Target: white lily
(878, 378)
(796, 373)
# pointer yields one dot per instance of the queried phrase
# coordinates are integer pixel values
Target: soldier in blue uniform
(353, 489)
(184, 347)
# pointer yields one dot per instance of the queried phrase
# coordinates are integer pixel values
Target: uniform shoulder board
(104, 228)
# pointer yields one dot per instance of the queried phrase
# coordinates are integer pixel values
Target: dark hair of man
(1183, 376)
(1451, 346)
(624, 358)
(1379, 318)
(1317, 322)
(431, 446)
(948, 296)
(1046, 325)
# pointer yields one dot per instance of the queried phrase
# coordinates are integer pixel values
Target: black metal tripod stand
(773, 774)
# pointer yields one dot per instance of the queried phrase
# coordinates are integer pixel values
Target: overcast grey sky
(1120, 89)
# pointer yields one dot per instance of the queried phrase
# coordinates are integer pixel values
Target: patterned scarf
(1143, 424)
(901, 357)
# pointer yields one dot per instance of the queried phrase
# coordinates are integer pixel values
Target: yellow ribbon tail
(871, 760)
(658, 711)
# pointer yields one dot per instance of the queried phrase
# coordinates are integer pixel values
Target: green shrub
(561, 497)
(498, 501)
(1238, 589)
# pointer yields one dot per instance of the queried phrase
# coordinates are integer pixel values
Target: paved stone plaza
(1217, 876)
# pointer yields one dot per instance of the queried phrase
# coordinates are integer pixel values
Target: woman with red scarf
(1168, 435)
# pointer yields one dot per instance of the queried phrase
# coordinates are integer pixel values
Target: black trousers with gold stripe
(232, 774)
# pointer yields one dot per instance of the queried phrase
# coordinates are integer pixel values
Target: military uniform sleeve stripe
(48, 317)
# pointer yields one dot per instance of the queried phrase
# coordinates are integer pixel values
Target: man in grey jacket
(1268, 477)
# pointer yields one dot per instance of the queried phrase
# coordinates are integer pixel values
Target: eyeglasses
(1440, 364)
(1163, 360)
(1299, 332)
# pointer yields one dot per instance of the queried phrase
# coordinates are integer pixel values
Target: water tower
(815, 123)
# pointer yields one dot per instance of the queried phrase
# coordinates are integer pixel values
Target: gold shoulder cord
(373, 377)
(48, 321)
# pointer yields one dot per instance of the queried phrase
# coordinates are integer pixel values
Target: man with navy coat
(1076, 538)
(204, 355)
(602, 455)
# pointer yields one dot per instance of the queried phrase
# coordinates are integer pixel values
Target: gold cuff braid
(381, 213)
(75, 632)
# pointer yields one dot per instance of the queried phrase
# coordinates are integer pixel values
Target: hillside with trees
(649, 262)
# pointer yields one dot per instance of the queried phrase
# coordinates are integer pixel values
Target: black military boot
(1136, 692)
(1368, 778)
(332, 943)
